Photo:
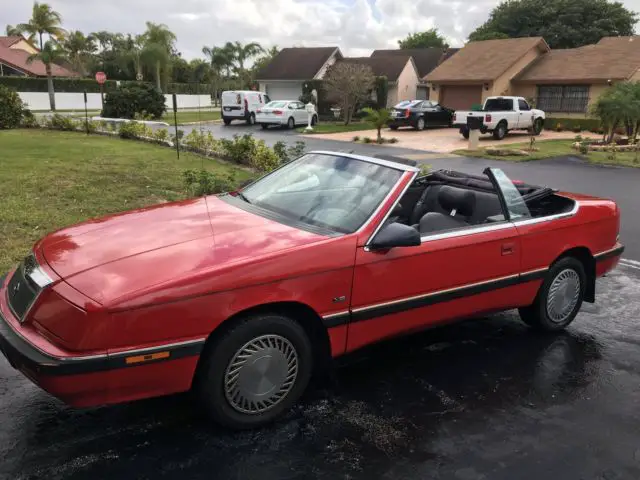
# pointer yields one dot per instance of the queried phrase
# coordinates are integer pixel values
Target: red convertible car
(243, 296)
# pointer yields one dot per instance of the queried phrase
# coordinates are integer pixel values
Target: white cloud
(357, 26)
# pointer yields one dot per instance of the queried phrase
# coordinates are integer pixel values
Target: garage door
(458, 97)
(284, 91)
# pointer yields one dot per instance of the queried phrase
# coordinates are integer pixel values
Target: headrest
(462, 201)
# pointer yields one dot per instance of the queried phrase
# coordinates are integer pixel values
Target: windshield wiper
(243, 197)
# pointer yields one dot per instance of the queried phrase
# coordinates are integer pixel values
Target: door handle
(508, 248)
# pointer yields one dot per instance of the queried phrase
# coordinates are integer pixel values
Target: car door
(301, 113)
(452, 274)
(524, 115)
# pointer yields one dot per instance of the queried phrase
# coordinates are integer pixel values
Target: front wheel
(559, 298)
(538, 126)
(251, 120)
(255, 371)
(264, 126)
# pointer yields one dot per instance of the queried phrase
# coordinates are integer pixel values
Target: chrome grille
(25, 285)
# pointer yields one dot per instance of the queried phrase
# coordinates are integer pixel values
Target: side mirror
(396, 235)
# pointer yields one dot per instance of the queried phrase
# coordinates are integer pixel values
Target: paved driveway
(443, 140)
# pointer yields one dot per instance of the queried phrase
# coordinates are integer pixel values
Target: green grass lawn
(192, 116)
(324, 127)
(554, 148)
(52, 179)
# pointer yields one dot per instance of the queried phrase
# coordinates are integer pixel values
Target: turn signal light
(407, 113)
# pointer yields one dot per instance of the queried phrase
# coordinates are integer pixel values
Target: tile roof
(8, 41)
(298, 63)
(613, 58)
(17, 59)
(388, 66)
(485, 60)
(426, 59)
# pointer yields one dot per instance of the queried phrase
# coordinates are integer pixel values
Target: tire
(227, 121)
(551, 316)
(264, 126)
(538, 125)
(221, 396)
(500, 131)
(420, 124)
(291, 123)
(394, 127)
(465, 133)
(252, 119)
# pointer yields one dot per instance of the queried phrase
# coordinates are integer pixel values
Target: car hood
(112, 257)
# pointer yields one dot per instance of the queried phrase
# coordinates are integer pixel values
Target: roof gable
(17, 59)
(387, 66)
(426, 59)
(297, 63)
(486, 60)
(612, 58)
(11, 40)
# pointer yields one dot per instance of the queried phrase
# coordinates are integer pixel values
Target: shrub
(202, 182)
(584, 148)
(264, 159)
(179, 136)
(134, 130)
(577, 138)
(559, 127)
(577, 128)
(356, 138)
(366, 140)
(62, 122)
(239, 150)
(132, 100)
(590, 124)
(28, 119)
(393, 140)
(424, 169)
(11, 108)
(286, 153)
(161, 135)
(202, 142)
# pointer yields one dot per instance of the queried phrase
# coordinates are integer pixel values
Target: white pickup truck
(500, 115)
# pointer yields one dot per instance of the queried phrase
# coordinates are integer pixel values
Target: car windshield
(515, 203)
(276, 105)
(328, 191)
(408, 103)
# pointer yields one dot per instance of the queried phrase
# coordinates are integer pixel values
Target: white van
(242, 105)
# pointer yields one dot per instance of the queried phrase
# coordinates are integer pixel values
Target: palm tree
(43, 20)
(12, 31)
(228, 52)
(379, 119)
(218, 61)
(244, 53)
(49, 54)
(79, 50)
(158, 44)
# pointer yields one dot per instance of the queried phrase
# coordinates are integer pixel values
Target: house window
(563, 98)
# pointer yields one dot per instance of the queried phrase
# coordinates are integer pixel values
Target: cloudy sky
(357, 26)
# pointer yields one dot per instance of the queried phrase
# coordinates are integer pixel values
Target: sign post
(101, 77)
(175, 121)
(311, 110)
(86, 114)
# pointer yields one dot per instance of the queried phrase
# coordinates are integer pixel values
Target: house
(14, 53)
(569, 81)
(483, 69)
(401, 73)
(425, 59)
(284, 76)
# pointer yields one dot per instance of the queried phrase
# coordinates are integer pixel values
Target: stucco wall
(502, 85)
(392, 96)
(24, 45)
(407, 83)
(524, 90)
(75, 101)
(636, 76)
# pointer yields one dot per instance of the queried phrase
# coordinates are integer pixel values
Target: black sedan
(420, 114)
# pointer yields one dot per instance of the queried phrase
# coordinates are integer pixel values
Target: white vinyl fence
(75, 101)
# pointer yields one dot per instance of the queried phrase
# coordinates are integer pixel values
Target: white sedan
(284, 112)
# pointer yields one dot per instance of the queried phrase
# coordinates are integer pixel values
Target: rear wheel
(227, 121)
(559, 298)
(255, 371)
(264, 126)
(500, 131)
(291, 123)
(465, 133)
(252, 119)
(393, 127)
(420, 124)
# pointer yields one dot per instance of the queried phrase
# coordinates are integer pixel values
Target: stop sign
(101, 77)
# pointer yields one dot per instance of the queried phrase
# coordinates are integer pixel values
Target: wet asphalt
(482, 399)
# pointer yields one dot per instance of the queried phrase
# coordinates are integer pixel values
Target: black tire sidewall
(418, 127)
(218, 355)
(500, 131)
(539, 316)
(291, 123)
(538, 126)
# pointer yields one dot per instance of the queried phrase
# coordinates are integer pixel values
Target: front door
(449, 276)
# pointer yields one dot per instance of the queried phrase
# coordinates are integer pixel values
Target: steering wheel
(335, 215)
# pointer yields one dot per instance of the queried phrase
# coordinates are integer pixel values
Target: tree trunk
(52, 93)
(40, 33)
(379, 134)
(158, 83)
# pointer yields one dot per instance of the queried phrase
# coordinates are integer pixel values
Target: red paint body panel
(176, 272)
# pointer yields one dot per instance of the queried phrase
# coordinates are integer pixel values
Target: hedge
(78, 85)
(588, 124)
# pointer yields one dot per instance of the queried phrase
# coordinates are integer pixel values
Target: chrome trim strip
(431, 294)
(377, 161)
(384, 219)
(334, 315)
(126, 353)
(40, 277)
(467, 231)
(607, 252)
(533, 272)
(534, 221)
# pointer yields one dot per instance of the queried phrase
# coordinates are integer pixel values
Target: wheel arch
(583, 254)
(299, 312)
